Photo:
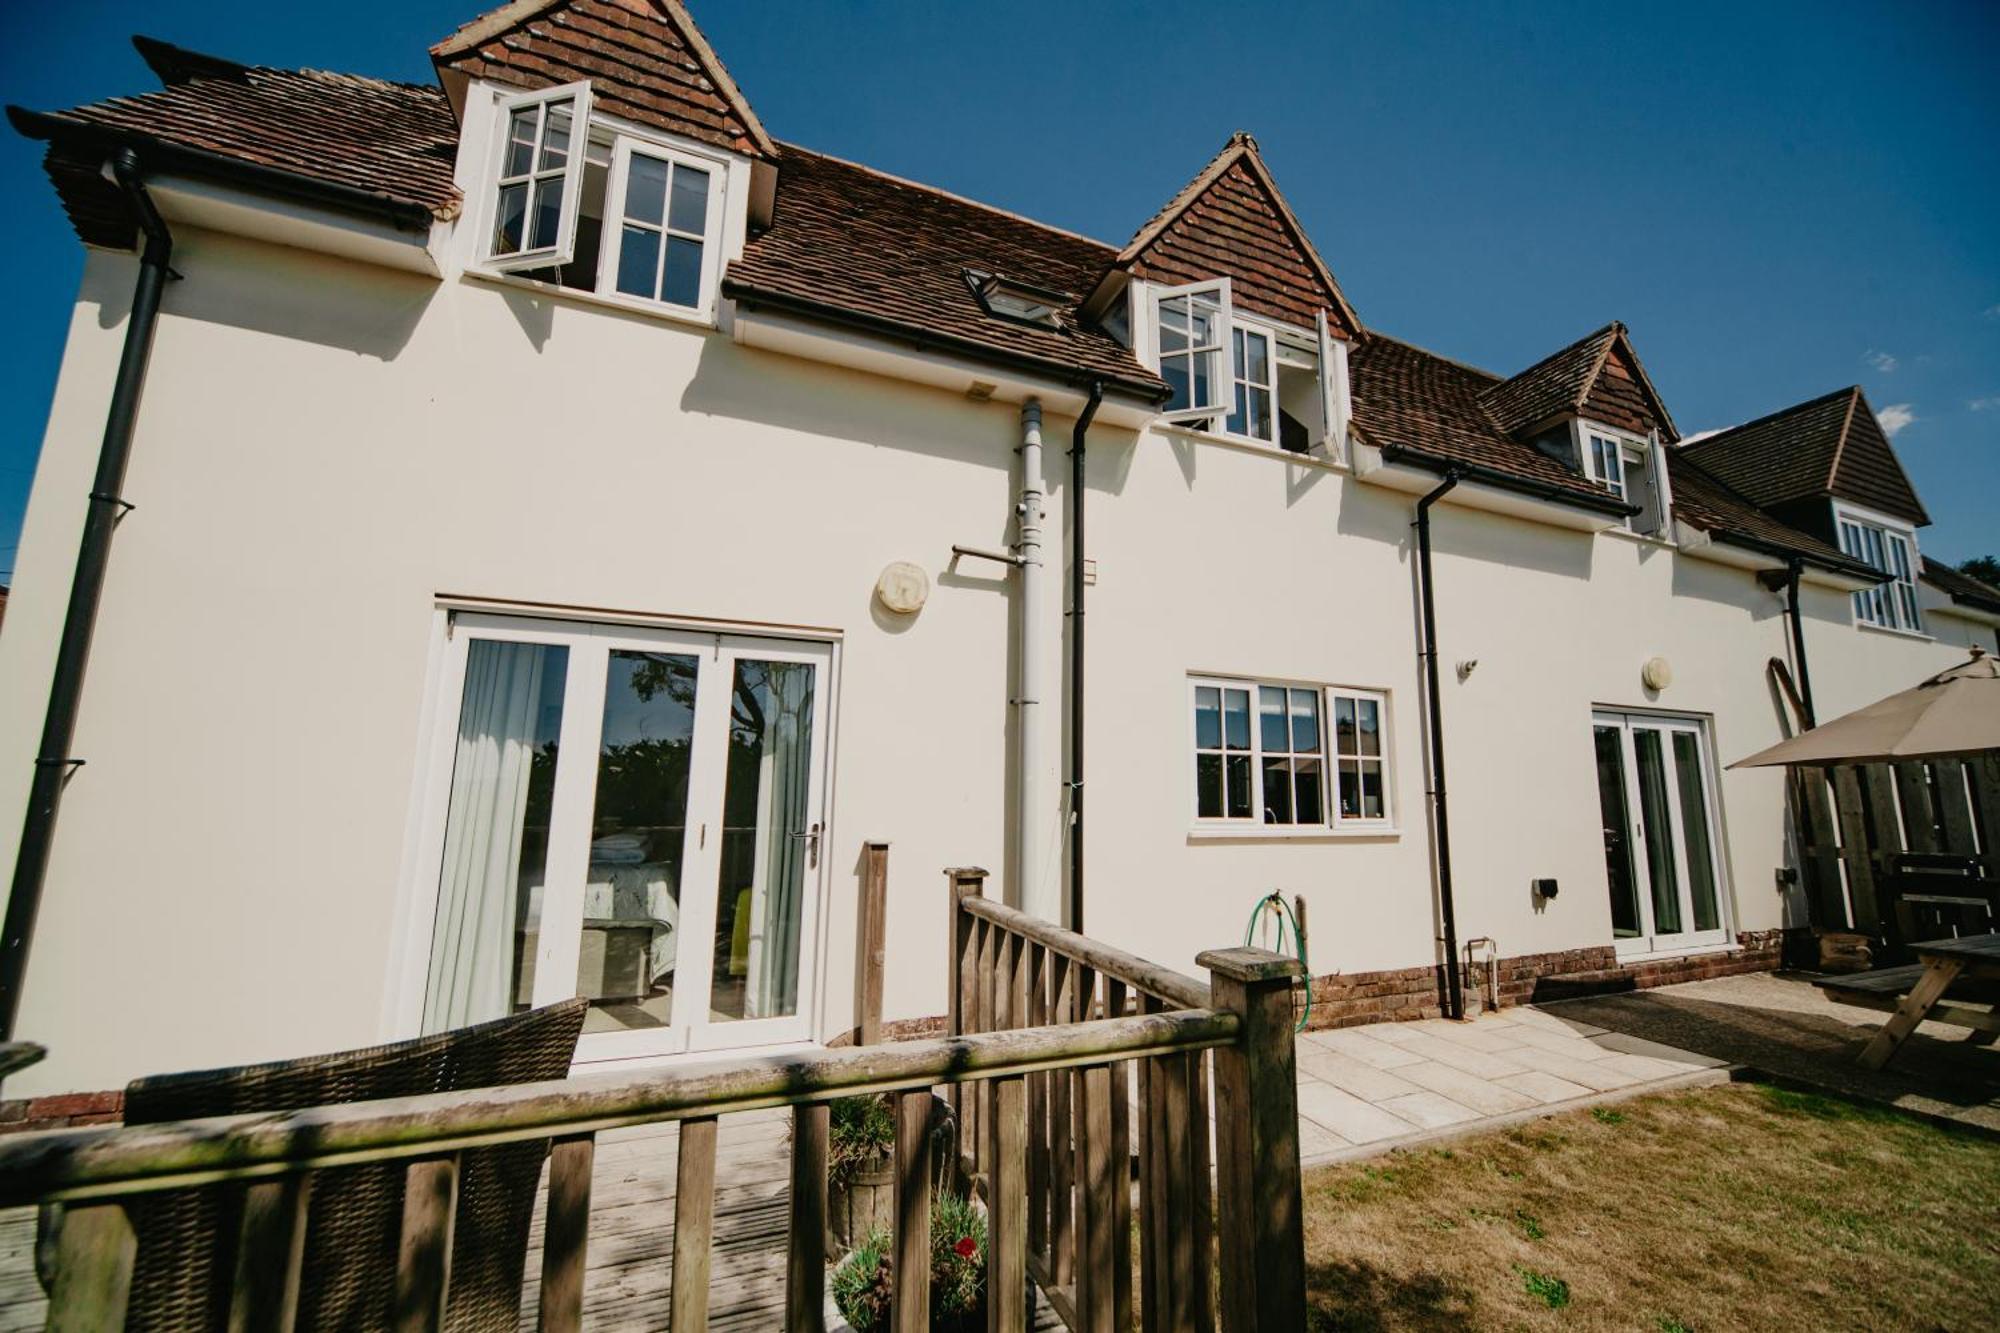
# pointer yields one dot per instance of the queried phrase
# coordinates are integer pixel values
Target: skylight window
(1023, 302)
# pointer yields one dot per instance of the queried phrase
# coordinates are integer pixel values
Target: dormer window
(1607, 462)
(1243, 375)
(1022, 302)
(1623, 465)
(1191, 329)
(1893, 551)
(602, 208)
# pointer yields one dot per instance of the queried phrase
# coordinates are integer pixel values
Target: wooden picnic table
(1974, 957)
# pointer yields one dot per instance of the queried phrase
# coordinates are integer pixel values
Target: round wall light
(1657, 674)
(903, 588)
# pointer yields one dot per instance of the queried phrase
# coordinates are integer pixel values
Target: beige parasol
(1954, 713)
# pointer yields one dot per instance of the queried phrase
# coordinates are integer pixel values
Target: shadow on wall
(1710, 582)
(270, 289)
(1499, 541)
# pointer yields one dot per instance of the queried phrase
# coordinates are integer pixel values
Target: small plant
(1604, 1115)
(1547, 1288)
(1531, 1227)
(861, 1132)
(1668, 1324)
(864, 1281)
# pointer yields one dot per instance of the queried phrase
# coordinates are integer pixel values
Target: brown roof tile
(1960, 586)
(645, 60)
(1406, 396)
(893, 252)
(1597, 375)
(395, 142)
(1831, 446)
(1706, 502)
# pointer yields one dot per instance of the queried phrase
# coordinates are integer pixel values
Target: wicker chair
(187, 1238)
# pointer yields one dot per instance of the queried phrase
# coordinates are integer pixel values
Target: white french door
(1656, 797)
(636, 816)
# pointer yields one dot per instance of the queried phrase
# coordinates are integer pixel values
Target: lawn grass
(1722, 1207)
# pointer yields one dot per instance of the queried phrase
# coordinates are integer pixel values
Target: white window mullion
(544, 140)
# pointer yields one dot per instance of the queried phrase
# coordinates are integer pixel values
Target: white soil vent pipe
(1039, 893)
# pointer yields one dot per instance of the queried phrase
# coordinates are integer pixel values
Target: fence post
(962, 973)
(874, 925)
(1260, 1228)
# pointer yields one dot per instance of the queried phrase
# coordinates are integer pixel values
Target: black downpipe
(1454, 992)
(1077, 440)
(53, 762)
(1793, 568)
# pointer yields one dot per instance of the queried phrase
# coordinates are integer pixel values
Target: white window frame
(564, 249)
(1331, 822)
(1380, 698)
(1333, 389)
(1239, 381)
(1629, 448)
(1864, 534)
(1649, 942)
(1222, 374)
(624, 144)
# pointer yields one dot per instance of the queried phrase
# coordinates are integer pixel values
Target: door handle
(811, 836)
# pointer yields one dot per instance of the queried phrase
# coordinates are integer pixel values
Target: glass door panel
(486, 938)
(1613, 809)
(1699, 847)
(770, 842)
(630, 938)
(1658, 832)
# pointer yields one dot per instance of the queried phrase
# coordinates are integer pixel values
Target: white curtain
(784, 786)
(472, 946)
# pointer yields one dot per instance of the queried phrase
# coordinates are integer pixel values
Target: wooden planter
(867, 1203)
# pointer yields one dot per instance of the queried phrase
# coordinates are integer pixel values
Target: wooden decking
(629, 1277)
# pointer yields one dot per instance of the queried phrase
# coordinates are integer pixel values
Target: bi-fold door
(1655, 790)
(635, 816)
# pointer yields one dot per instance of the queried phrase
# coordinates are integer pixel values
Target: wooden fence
(1047, 1027)
(1885, 848)
(1010, 970)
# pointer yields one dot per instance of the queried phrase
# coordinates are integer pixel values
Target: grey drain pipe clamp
(53, 761)
(1454, 990)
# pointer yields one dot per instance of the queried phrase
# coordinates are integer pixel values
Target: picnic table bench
(1949, 979)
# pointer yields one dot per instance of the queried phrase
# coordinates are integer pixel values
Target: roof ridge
(1840, 442)
(1727, 431)
(1564, 350)
(1617, 330)
(177, 65)
(943, 193)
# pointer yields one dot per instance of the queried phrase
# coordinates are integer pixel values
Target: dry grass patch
(1730, 1206)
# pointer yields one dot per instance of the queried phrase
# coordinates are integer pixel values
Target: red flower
(966, 1247)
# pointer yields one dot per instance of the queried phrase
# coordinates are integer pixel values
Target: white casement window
(1893, 551)
(1360, 757)
(664, 225)
(1191, 335)
(1253, 415)
(1606, 457)
(603, 207)
(1263, 750)
(539, 178)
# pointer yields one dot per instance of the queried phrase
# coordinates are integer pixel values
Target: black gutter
(1506, 481)
(1063, 372)
(1078, 439)
(1790, 553)
(1793, 568)
(1447, 910)
(164, 158)
(53, 761)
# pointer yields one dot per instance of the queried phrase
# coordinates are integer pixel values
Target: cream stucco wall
(325, 450)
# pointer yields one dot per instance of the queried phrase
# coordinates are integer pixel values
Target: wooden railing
(1047, 1098)
(1009, 971)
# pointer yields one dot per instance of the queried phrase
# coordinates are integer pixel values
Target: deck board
(628, 1278)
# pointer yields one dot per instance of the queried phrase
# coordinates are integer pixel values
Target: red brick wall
(63, 1111)
(1353, 998)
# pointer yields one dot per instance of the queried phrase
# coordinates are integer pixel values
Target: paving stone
(1317, 1141)
(1489, 1035)
(1482, 1095)
(1430, 1110)
(1483, 1063)
(1649, 1068)
(1597, 1075)
(1563, 1043)
(1358, 1043)
(1350, 1117)
(1351, 1075)
(1553, 1020)
(1626, 1044)
(1544, 1088)
(1396, 1034)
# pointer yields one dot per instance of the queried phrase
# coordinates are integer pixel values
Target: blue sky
(1778, 199)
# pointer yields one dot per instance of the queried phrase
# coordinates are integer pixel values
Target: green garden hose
(1281, 919)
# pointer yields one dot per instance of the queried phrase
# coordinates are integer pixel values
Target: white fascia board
(1370, 468)
(221, 208)
(1958, 610)
(776, 332)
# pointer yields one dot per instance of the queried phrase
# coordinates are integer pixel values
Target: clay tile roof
(851, 243)
(1706, 502)
(646, 61)
(1554, 386)
(1418, 401)
(1960, 586)
(1831, 446)
(391, 142)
